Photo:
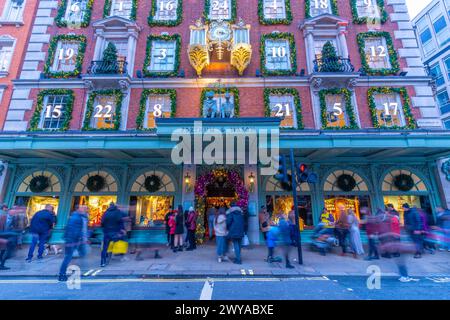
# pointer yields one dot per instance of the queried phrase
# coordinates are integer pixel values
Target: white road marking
(97, 272)
(89, 272)
(250, 272)
(439, 280)
(349, 289)
(207, 290)
(243, 272)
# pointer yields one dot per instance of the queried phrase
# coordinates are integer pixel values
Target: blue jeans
(68, 255)
(211, 219)
(237, 249)
(35, 237)
(220, 243)
(107, 238)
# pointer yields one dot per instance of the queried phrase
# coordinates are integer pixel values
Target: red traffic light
(302, 168)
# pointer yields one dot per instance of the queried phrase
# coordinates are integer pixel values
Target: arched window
(167, 184)
(389, 185)
(273, 185)
(54, 184)
(332, 185)
(110, 182)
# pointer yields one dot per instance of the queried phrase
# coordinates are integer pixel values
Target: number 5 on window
(338, 107)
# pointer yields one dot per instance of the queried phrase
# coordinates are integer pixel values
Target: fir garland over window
(148, 56)
(107, 9)
(406, 106)
(52, 55)
(361, 39)
(284, 92)
(62, 23)
(292, 54)
(90, 108)
(269, 21)
(165, 23)
(143, 105)
(334, 8)
(67, 113)
(232, 90)
(362, 20)
(348, 108)
(208, 6)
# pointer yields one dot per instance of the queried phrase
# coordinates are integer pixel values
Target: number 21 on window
(389, 106)
(280, 107)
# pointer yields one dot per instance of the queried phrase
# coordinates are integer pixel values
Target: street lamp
(187, 181)
(251, 179)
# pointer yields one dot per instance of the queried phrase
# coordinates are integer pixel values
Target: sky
(415, 6)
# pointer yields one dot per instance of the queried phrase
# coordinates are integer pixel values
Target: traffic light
(282, 170)
(304, 175)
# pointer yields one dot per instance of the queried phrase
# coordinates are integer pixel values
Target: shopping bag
(245, 241)
(120, 247)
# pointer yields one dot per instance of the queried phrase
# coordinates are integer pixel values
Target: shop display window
(284, 203)
(149, 210)
(97, 206)
(34, 204)
(332, 204)
(421, 202)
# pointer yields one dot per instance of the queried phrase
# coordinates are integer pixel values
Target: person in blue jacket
(40, 227)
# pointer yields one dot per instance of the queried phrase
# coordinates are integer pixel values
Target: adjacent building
(106, 83)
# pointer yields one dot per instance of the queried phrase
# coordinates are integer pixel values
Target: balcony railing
(106, 67)
(337, 64)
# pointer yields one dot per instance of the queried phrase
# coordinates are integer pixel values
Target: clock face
(220, 33)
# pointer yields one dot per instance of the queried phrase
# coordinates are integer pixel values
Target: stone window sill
(11, 23)
(4, 74)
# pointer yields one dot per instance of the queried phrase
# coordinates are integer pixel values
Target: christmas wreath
(152, 183)
(39, 183)
(403, 182)
(346, 182)
(95, 183)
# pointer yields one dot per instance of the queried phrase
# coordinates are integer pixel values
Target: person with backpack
(40, 227)
(235, 226)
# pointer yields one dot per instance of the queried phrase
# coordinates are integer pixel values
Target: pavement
(203, 263)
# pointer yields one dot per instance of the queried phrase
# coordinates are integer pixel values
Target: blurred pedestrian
(192, 227)
(220, 229)
(179, 230)
(391, 210)
(235, 227)
(372, 224)
(75, 237)
(20, 223)
(264, 219)
(166, 221)
(40, 227)
(8, 240)
(355, 236)
(292, 226)
(186, 227)
(211, 215)
(414, 227)
(327, 220)
(113, 230)
(285, 239)
(342, 229)
(443, 220)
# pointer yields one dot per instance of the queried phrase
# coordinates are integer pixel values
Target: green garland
(232, 90)
(268, 21)
(361, 39)
(36, 118)
(165, 23)
(362, 20)
(406, 106)
(150, 39)
(90, 108)
(60, 22)
(52, 55)
(107, 9)
(143, 104)
(284, 92)
(293, 54)
(348, 108)
(208, 6)
(334, 8)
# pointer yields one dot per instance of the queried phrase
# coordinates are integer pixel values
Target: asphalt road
(322, 288)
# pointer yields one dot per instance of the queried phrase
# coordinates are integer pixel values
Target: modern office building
(106, 83)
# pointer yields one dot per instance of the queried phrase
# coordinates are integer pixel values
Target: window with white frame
(425, 36)
(367, 8)
(121, 8)
(220, 9)
(13, 10)
(158, 106)
(66, 56)
(447, 5)
(220, 104)
(447, 123)
(104, 114)
(75, 11)
(443, 101)
(6, 52)
(274, 9)
(121, 47)
(436, 73)
(162, 56)
(318, 7)
(377, 55)
(53, 113)
(166, 10)
(320, 42)
(283, 106)
(439, 24)
(389, 109)
(447, 65)
(278, 55)
(336, 113)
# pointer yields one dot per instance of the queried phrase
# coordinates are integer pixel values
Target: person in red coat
(172, 226)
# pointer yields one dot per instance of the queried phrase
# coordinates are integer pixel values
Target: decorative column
(342, 29)
(251, 173)
(4, 177)
(131, 50)
(310, 49)
(188, 183)
(99, 45)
